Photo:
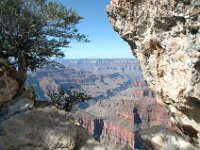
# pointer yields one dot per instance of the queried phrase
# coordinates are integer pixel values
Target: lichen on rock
(164, 35)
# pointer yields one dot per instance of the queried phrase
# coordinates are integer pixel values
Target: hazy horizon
(103, 58)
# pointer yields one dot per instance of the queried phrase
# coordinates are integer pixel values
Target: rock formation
(22, 126)
(116, 121)
(164, 35)
(100, 78)
(8, 84)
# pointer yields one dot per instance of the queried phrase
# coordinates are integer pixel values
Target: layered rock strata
(117, 122)
(164, 35)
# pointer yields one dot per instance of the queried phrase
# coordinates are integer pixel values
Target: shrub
(66, 99)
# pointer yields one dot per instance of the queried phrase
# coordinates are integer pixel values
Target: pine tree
(33, 31)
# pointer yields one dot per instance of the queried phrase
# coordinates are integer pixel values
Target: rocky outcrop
(164, 35)
(8, 89)
(44, 128)
(8, 84)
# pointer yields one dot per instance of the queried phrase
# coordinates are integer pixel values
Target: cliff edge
(164, 35)
(25, 125)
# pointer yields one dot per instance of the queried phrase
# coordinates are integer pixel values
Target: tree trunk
(21, 74)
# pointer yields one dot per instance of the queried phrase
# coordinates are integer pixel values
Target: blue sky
(105, 42)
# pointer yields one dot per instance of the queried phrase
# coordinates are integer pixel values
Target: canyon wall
(164, 35)
(119, 121)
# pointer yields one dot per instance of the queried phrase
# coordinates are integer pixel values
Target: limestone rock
(164, 35)
(8, 89)
(39, 128)
(15, 107)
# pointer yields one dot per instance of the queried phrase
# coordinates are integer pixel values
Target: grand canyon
(121, 106)
(154, 110)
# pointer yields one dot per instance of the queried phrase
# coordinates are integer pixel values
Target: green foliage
(33, 93)
(32, 31)
(6, 68)
(67, 99)
(3, 66)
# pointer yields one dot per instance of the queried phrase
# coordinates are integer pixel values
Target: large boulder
(164, 35)
(14, 107)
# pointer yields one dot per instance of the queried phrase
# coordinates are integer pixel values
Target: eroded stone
(164, 36)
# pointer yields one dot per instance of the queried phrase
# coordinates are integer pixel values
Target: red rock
(119, 127)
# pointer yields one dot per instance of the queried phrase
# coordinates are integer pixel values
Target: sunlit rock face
(164, 35)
